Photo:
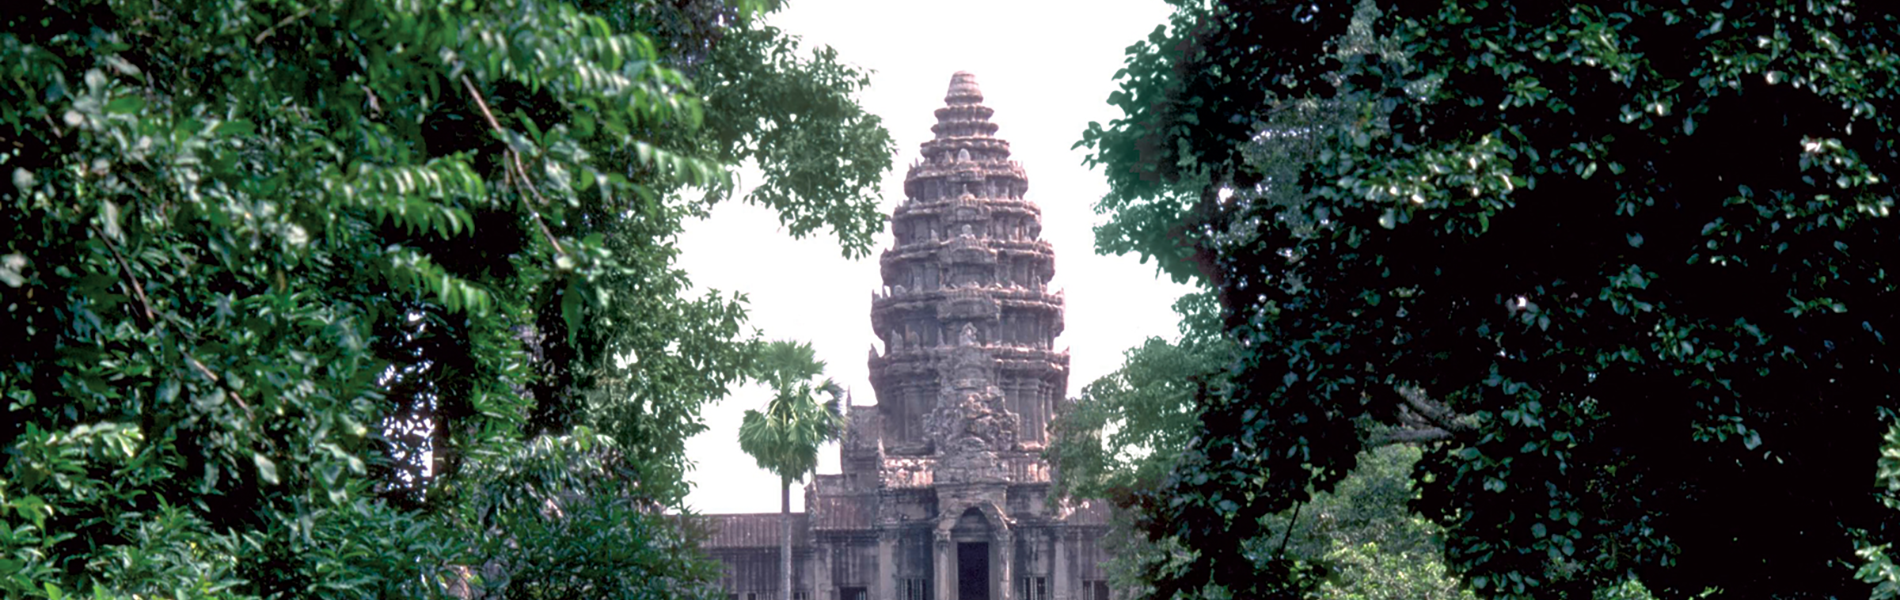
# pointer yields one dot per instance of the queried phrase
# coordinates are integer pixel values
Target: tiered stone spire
(942, 486)
(967, 324)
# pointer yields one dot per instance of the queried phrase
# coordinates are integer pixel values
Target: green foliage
(1125, 430)
(1123, 433)
(1878, 568)
(784, 438)
(313, 299)
(793, 116)
(1625, 260)
(668, 354)
(563, 504)
(1365, 540)
(1358, 541)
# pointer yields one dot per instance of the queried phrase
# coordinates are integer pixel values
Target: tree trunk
(785, 538)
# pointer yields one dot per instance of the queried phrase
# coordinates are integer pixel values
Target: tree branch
(1288, 534)
(1421, 420)
(514, 158)
(228, 392)
(1408, 435)
(286, 21)
(1433, 411)
(151, 321)
(125, 269)
(375, 104)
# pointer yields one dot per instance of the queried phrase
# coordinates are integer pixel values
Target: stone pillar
(886, 565)
(1005, 560)
(944, 580)
(820, 573)
(1060, 570)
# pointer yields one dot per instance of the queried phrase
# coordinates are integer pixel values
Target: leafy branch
(514, 161)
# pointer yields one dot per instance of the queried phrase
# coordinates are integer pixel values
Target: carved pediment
(970, 422)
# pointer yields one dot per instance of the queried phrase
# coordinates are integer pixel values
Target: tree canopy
(784, 438)
(377, 298)
(1125, 429)
(1123, 435)
(1620, 264)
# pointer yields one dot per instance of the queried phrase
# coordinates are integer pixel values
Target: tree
(1124, 431)
(1621, 261)
(668, 355)
(785, 438)
(320, 299)
(1121, 437)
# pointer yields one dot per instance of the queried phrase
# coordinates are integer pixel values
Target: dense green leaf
(1623, 260)
(316, 298)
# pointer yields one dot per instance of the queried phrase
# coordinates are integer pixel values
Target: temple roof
(963, 114)
(963, 90)
(752, 530)
(851, 512)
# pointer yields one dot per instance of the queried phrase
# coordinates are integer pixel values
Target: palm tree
(785, 438)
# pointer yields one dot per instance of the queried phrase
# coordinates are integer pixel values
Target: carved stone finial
(963, 89)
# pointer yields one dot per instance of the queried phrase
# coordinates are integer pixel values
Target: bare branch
(228, 392)
(515, 159)
(138, 290)
(1288, 535)
(1433, 411)
(1408, 435)
(375, 104)
(151, 321)
(1421, 419)
(286, 21)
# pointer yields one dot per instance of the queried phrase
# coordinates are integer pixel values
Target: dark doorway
(973, 571)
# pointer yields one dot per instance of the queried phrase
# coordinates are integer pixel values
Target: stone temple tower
(943, 490)
(967, 277)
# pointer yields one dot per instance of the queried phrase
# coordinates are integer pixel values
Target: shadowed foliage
(370, 299)
(1621, 264)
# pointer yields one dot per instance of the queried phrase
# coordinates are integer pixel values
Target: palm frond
(785, 437)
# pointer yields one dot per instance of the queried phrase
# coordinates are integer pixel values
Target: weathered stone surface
(948, 464)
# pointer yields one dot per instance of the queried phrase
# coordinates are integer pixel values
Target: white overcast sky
(1047, 68)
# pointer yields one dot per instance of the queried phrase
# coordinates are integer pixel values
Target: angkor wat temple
(942, 494)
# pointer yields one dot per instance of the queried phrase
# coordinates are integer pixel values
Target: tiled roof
(757, 530)
(841, 512)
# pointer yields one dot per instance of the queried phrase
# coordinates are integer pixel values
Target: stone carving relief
(907, 472)
(971, 462)
(970, 424)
